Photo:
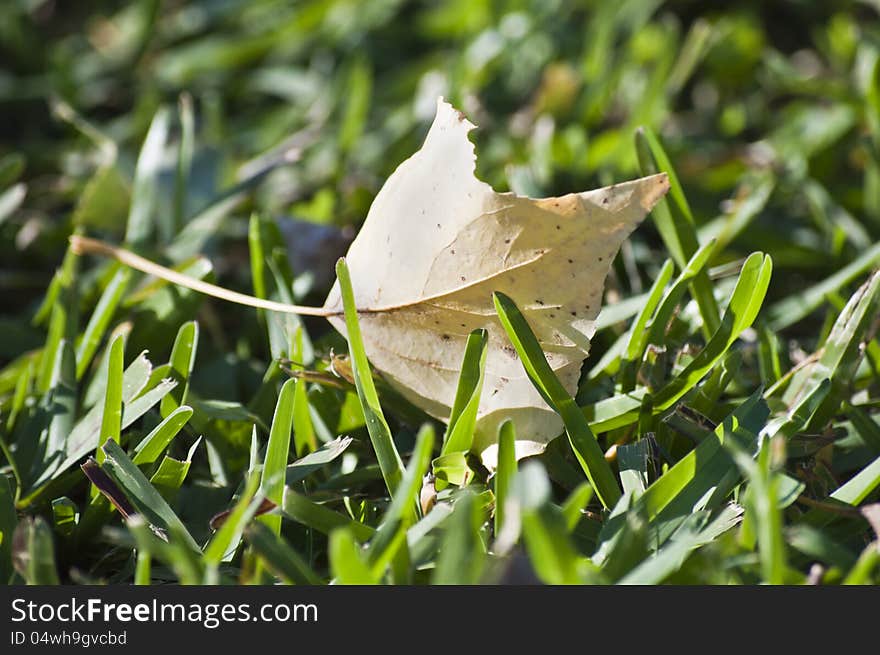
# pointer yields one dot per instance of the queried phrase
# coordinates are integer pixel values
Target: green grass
(726, 428)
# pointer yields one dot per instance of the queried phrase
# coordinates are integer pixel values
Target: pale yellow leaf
(435, 245)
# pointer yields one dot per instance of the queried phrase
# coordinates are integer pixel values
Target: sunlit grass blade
(544, 530)
(708, 468)
(748, 295)
(278, 453)
(505, 471)
(463, 417)
(228, 535)
(676, 224)
(140, 225)
(323, 519)
(634, 345)
(573, 507)
(111, 417)
(659, 321)
(377, 426)
(762, 503)
(303, 430)
(462, 552)
(63, 318)
(171, 473)
(154, 444)
(582, 439)
(100, 319)
(347, 561)
(183, 360)
(399, 515)
(143, 495)
(841, 354)
(62, 397)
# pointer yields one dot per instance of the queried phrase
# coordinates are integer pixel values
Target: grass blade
(143, 495)
(323, 519)
(380, 434)
(144, 191)
(111, 417)
(100, 319)
(183, 360)
(748, 295)
(581, 438)
(33, 552)
(505, 472)
(463, 418)
(347, 561)
(278, 452)
(676, 226)
(8, 522)
(228, 535)
(279, 557)
(155, 443)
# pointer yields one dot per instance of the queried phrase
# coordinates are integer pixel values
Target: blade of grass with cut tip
(380, 434)
(111, 418)
(573, 507)
(155, 443)
(581, 438)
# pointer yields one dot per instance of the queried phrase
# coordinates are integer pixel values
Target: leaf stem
(86, 246)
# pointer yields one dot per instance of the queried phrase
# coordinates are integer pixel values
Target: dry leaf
(435, 245)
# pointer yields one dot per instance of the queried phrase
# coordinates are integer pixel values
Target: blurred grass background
(298, 111)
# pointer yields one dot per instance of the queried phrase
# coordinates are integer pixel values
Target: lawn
(725, 428)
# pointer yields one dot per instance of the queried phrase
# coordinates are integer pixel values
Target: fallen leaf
(436, 244)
